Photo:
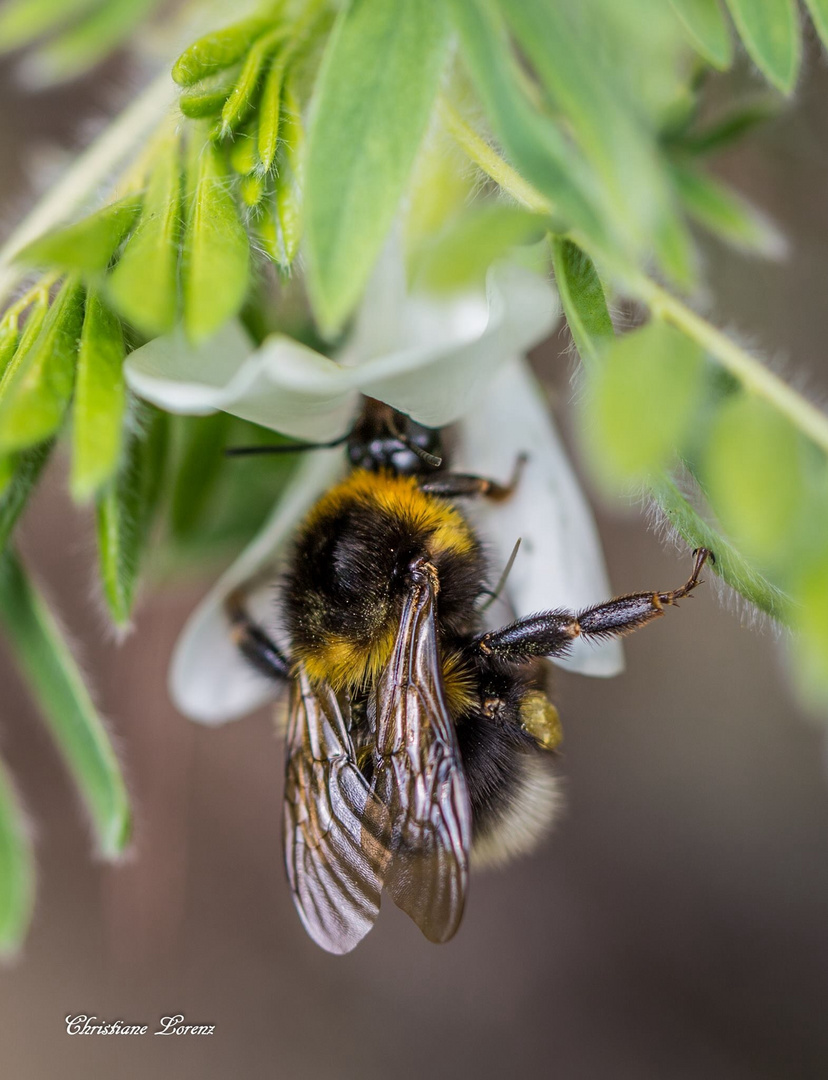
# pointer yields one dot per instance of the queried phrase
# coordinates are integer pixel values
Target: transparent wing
(335, 829)
(419, 775)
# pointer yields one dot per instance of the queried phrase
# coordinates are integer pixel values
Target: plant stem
(83, 178)
(750, 372)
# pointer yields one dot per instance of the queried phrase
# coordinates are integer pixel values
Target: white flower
(439, 361)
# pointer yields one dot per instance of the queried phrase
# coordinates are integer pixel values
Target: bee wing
(419, 776)
(334, 826)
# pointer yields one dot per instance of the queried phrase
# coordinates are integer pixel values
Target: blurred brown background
(674, 927)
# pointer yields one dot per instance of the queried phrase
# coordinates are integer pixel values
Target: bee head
(384, 439)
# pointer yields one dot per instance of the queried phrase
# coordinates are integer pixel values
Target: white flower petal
(210, 681)
(559, 564)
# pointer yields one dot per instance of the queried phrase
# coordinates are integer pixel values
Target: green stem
(752, 374)
(84, 177)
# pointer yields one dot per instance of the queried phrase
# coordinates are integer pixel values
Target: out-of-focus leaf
(731, 566)
(100, 398)
(819, 13)
(143, 284)
(14, 347)
(216, 251)
(23, 21)
(707, 28)
(9, 337)
(125, 513)
(17, 869)
(753, 472)
(534, 143)
(810, 649)
(770, 32)
(217, 50)
(557, 37)
(243, 95)
(462, 253)
(34, 394)
(372, 102)
(643, 401)
(583, 300)
(25, 468)
(201, 463)
(58, 687)
(87, 245)
(725, 214)
(730, 128)
(90, 40)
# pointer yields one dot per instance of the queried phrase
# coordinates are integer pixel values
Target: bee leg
(456, 485)
(253, 642)
(551, 632)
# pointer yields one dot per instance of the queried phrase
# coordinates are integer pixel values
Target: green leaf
(583, 300)
(9, 338)
(57, 685)
(269, 111)
(461, 254)
(100, 399)
(810, 650)
(13, 358)
(217, 50)
(619, 143)
(24, 468)
(731, 566)
(17, 869)
(725, 214)
(643, 401)
(372, 102)
(90, 40)
(242, 99)
(35, 393)
(707, 28)
(23, 21)
(770, 32)
(125, 514)
(543, 156)
(143, 286)
(730, 128)
(206, 98)
(88, 245)
(202, 460)
(243, 155)
(753, 472)
(215, 263)
(819, 13)
(291, 180)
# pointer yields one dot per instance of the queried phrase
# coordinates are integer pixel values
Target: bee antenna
(284, 448)
(504, 577)
(423, 455)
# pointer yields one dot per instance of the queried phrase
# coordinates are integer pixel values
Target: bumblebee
(417, 740)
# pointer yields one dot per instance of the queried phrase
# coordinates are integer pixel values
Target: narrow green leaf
(753, 472)
(23, 470)
(707, 28)
(290, 183)
(462, 252)
(215, 265)
(17, 869)
(541, 153)
(372, 102)
(81, 46)
(100, 399)
(243, 152)
(770, 32)
(202, 461)
(13, 348)
(819, 13)
(725, 214)
(58, 687)
(731, 566)
(217, 50)
(207, 98)
(643, 401)
(125, 514)
(252, 189)
(9, 338)
(243, 96)
(620, 144)
(34, 394)
(270, 105)
(583, 300)
(730, 128)
(87, 245)
(810, 648)
(23, 21)
(143, 286)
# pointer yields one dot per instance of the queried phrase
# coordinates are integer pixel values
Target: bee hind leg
(552, 632)
(253, 642)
